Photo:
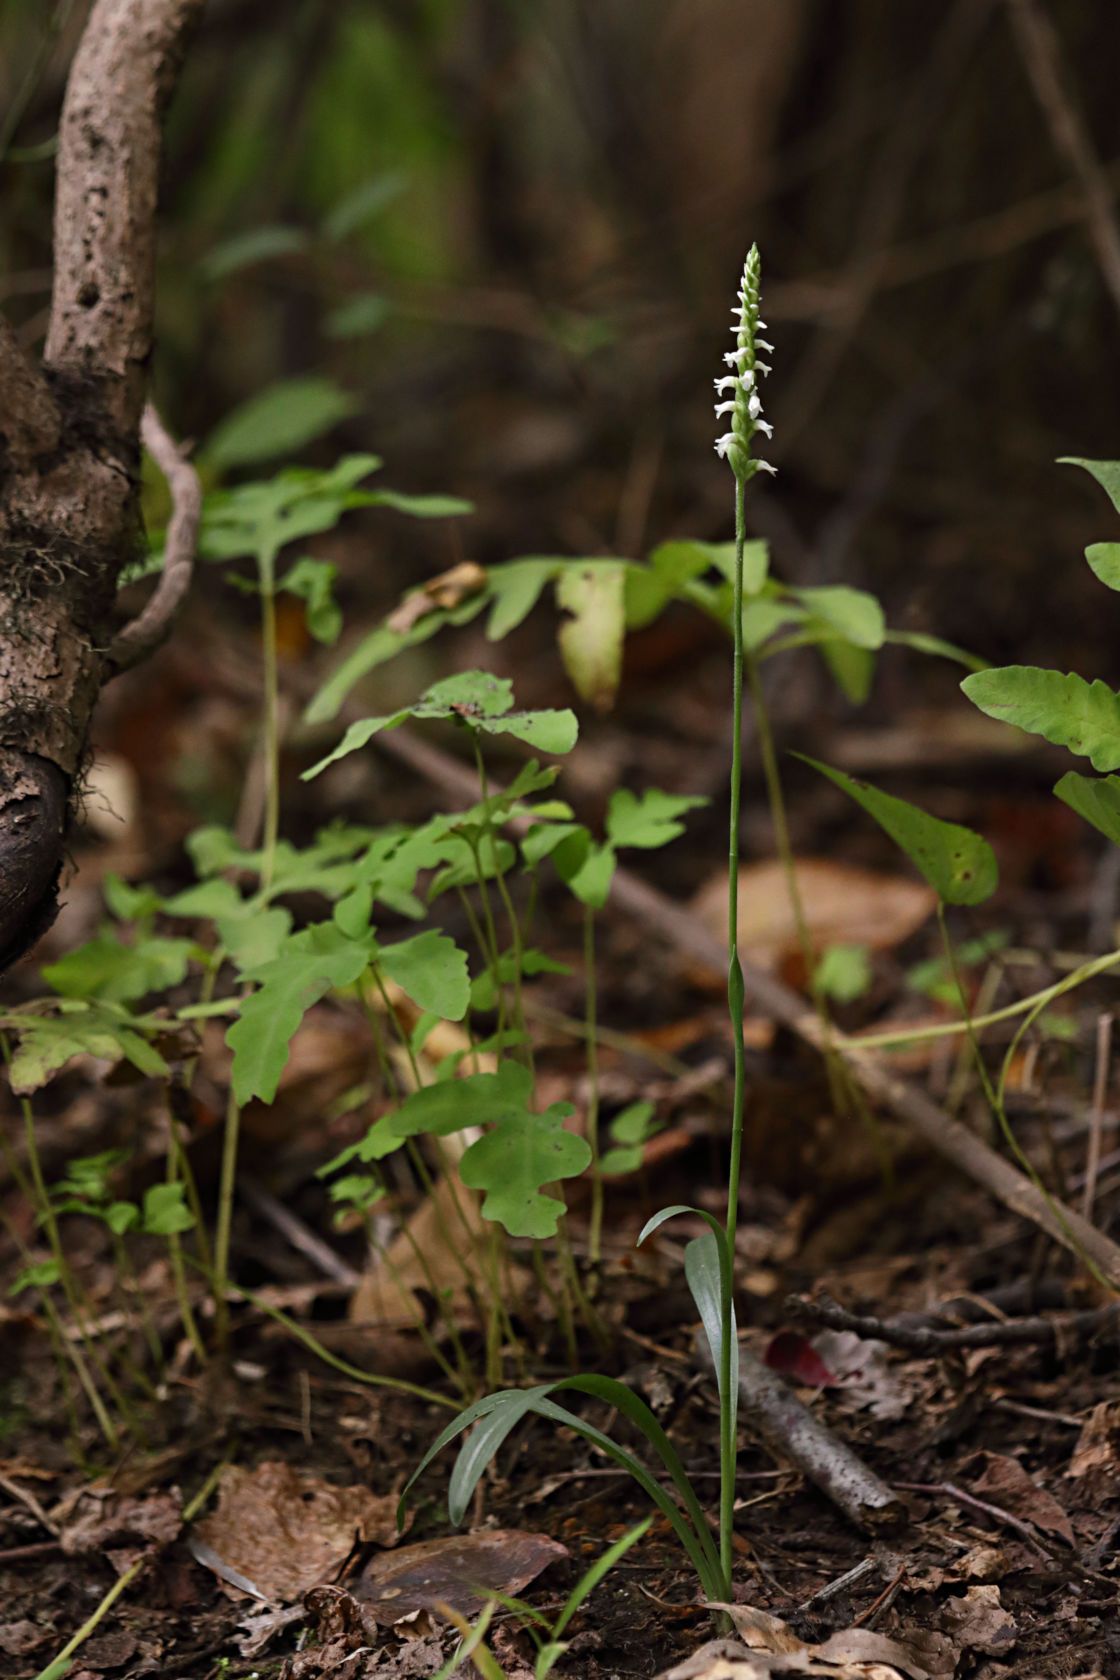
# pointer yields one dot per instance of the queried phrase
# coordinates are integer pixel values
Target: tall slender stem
(595, 1229)
(728, 1411)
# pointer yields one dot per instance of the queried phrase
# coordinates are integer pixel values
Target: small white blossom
(764, 466)
(740, 386)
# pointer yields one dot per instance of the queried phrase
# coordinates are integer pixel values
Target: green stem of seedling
(595, 1231)
(490, 946)
(225, 1220)
(39, 1197)
(267, 575)
(735, 1000)
(944, 1029)
(515, 939)
(179, 1170)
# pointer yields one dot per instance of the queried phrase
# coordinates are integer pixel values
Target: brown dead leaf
(285, 1530)
(98, 1518)
(1097, 1443)
(843, 905)
(438, 594)
(978, 1622)
(1005, 1483)
(457, 1570)
(851, 1654)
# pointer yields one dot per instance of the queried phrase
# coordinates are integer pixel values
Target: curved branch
(150, 627)
(105, 202)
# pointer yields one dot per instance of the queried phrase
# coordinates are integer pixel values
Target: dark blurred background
(509, 234)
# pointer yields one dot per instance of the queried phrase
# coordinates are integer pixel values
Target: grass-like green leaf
(1097, 799)
(1062, 708)
(959, 865)
(705, 1261)
(497, 1414)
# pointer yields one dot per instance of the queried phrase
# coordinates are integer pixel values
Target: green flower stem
(595, 1228)
(735, 1001)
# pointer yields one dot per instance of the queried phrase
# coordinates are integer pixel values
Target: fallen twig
(788, 1429)
(927, 1339)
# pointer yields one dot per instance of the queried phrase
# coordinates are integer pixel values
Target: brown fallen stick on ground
(788, 1430)
(947, 1136)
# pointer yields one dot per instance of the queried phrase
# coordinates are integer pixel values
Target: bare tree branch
(140, 638)
(105, 202)
(1041, 53)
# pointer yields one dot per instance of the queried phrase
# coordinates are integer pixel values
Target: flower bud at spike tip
(745, 404)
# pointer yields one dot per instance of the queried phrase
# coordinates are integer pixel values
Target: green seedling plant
(250, 965)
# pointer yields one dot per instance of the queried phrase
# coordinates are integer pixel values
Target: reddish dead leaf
(438, 594)
(457, 1571)
(285, 1531)
(794, 1357)
(1005, 1483)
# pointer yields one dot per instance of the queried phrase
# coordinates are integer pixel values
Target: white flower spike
(745, 406)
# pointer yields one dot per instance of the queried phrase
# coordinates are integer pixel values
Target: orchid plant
(709, 1259)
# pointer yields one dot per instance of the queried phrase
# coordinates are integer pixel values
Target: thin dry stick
(883, 203)
(145, 633)
(948, 1137)
(770, 1409)
(1096, 1113)
(926, 1339)
(1041, 53)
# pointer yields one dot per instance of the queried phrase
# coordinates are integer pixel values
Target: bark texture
(69, 441)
